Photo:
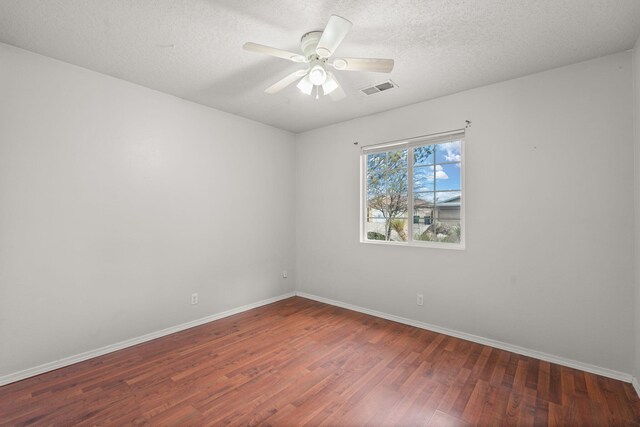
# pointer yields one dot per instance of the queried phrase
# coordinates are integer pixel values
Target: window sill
(414, 244)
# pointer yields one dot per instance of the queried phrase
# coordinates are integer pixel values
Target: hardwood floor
(300, 362)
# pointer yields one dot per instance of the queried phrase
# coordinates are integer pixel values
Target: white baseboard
(481, 340)
(30, 372)
(17, 376)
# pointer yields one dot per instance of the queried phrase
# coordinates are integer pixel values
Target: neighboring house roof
(451, 202)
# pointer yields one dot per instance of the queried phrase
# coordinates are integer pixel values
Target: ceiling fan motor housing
(309, 42)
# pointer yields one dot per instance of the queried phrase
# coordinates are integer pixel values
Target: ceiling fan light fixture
(305, 85)
(330, 84)
(339, 64)
(323, 52)
(317, 75)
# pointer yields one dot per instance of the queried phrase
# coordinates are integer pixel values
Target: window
(412, 192)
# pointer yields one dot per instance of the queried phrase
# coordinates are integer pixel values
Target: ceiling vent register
(381, 87)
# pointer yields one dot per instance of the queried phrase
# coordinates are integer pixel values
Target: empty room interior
(336, 213)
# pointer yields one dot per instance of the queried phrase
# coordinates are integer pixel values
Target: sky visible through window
(444, 174)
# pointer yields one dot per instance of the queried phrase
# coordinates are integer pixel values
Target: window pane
(376, 161)
(397, 159)
(396, 185)
(447, 231)
(376, 183)
(423, 178)
(375, 229)
(376, 206)
(448, 152)
(394, 205)
(448, 177)
(440, 231)
(423, 232)
(447, 197)
(423, 214)
(399, 229)
(447, 205)
(423, 208)
(387, 196)
(423, 155)
(395, 230)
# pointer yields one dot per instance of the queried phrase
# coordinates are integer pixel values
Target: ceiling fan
(317, 48)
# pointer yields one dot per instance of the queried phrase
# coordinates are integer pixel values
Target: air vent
(381, 87)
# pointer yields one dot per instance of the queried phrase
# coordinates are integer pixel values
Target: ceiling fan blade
(364, 64)
(337, 94)
(279, 53)
(281, 84)
(336, 30)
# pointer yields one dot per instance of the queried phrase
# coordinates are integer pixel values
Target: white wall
(553, 153)
(636, 122)
(117, 202)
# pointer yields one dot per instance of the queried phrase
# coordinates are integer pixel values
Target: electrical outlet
(194, 299)
(284, 274)
(420, 300)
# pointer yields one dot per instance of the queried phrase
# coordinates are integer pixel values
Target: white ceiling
(193, 48)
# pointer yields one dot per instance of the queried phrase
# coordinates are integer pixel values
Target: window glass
(436, 195)
(387, 196)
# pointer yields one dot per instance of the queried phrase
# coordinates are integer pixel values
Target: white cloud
(451, 151)
(440, 173)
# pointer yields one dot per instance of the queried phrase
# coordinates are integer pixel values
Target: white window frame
(410, 144)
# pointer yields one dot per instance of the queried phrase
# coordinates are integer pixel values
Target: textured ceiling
(193, 48)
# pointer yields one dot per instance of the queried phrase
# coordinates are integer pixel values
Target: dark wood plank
(300, 362)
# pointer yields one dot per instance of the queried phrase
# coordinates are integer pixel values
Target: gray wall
(544, 273)
(117, 202)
